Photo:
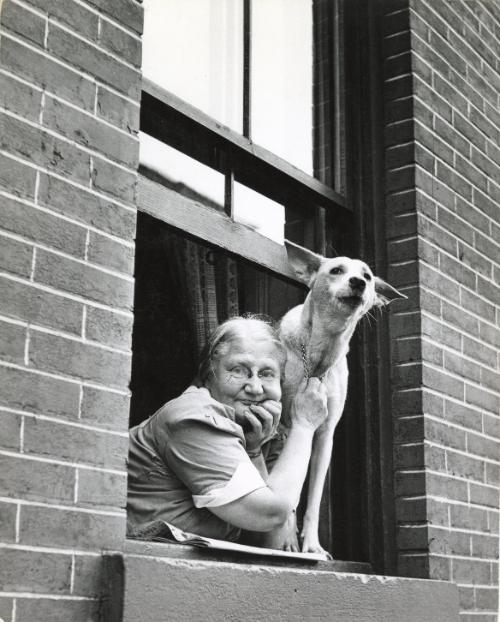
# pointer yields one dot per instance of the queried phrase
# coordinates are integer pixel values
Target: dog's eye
(367, 276)
(336, 271)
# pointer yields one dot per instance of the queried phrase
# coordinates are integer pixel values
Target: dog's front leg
(321, 458)
(320, 461)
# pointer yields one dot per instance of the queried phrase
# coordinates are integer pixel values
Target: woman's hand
(309, 406)
(262, 422)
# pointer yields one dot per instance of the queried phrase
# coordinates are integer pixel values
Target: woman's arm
(266, 508)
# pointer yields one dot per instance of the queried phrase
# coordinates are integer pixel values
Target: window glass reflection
(194, 49)
(182, 173)
(259, 212)
(281, 79)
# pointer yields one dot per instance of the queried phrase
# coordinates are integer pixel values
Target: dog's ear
(385, 293)
(303, 262)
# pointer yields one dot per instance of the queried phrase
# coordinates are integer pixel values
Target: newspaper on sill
(192, 539)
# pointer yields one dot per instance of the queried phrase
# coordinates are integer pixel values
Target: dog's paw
(310, 544)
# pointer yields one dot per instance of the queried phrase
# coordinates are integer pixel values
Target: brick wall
(69, 92)
(442, 87)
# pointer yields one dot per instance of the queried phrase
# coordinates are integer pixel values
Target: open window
(242, 145)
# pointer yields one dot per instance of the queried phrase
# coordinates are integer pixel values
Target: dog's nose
(357, 284)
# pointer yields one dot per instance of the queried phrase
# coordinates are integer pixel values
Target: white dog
(316, 335)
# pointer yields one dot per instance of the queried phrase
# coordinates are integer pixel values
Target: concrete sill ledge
(151, 582)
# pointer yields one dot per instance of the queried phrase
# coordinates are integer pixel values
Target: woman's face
(248, 372)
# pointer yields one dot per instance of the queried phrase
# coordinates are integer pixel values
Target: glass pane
(257, 211)
(194, 49)
(182, 173)
(281, 79)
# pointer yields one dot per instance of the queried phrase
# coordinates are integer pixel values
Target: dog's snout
(357, 284)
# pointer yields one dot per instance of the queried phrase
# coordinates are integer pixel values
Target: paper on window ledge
(192, 539)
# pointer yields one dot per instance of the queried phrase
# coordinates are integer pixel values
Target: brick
(428, 230)
(440, 432)
(25, 23)
(17, 178)
(76, 16)
(90, 132)
(468, 571)
(477, 305)
(397, 133)
(33, 572)
(439, 568)
(490, 379)
(110, 253)
(468, 467)
(15, 256)
(441, 334)
(41, 148)
(434, 144)
(83, 280)
(405, 274)
(484, 495)
(407, 350)
(114, 181)
(397, 65)
(463, 415)
(398, 87)
(485, 203)
(24, 302)
(493, 473)
(401, 225)
(408, 375)
(70, 529)
(487, 90)
(81, 360)
(121, 43)
(442, 382)
(487, 598)
(432, 98)
(455, 182)
(93, 61)
(460, 318)
(488, 290)
(409, 456)
(100, 489)
(462, 516)
(405, 325)
(36, 481)
(411, 510)
(451, 94)
(74, 443)
(465, 597)
(402, 250)
(487, 448)
(88, 576)
(12, 340)
(7, 522)
(471, 132)
(488, 167)
(42, 227)
(408, 430)
(6, 608)
(462, 367)
(127, 12)
(47, 73)
(444, 486)
(24, 390)
(412, 537)
(409, 484)
(413, 566)
(11, 428)
(396, 44)
(117, 110)
(447, 542)
(86, 207)
(20, 98)
(475, 261)
(103, 408)
(110, 328)
(50, 610)
(479, 351)
(435, 458)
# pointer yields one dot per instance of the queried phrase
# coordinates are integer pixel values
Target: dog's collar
(306, 363)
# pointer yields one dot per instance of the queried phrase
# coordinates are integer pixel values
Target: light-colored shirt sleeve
(207, 454)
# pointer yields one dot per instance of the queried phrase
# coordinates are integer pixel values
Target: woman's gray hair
(219, 340)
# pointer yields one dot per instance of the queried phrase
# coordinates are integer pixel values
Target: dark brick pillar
(69, 110)
(442, 88)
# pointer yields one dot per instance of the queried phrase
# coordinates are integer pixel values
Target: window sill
(156, 581)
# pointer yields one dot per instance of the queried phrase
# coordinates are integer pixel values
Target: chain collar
(306, 363)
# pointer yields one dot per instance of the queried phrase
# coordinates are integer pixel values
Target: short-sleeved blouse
(187, 457)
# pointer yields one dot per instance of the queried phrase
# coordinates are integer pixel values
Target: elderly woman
(197, 462)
